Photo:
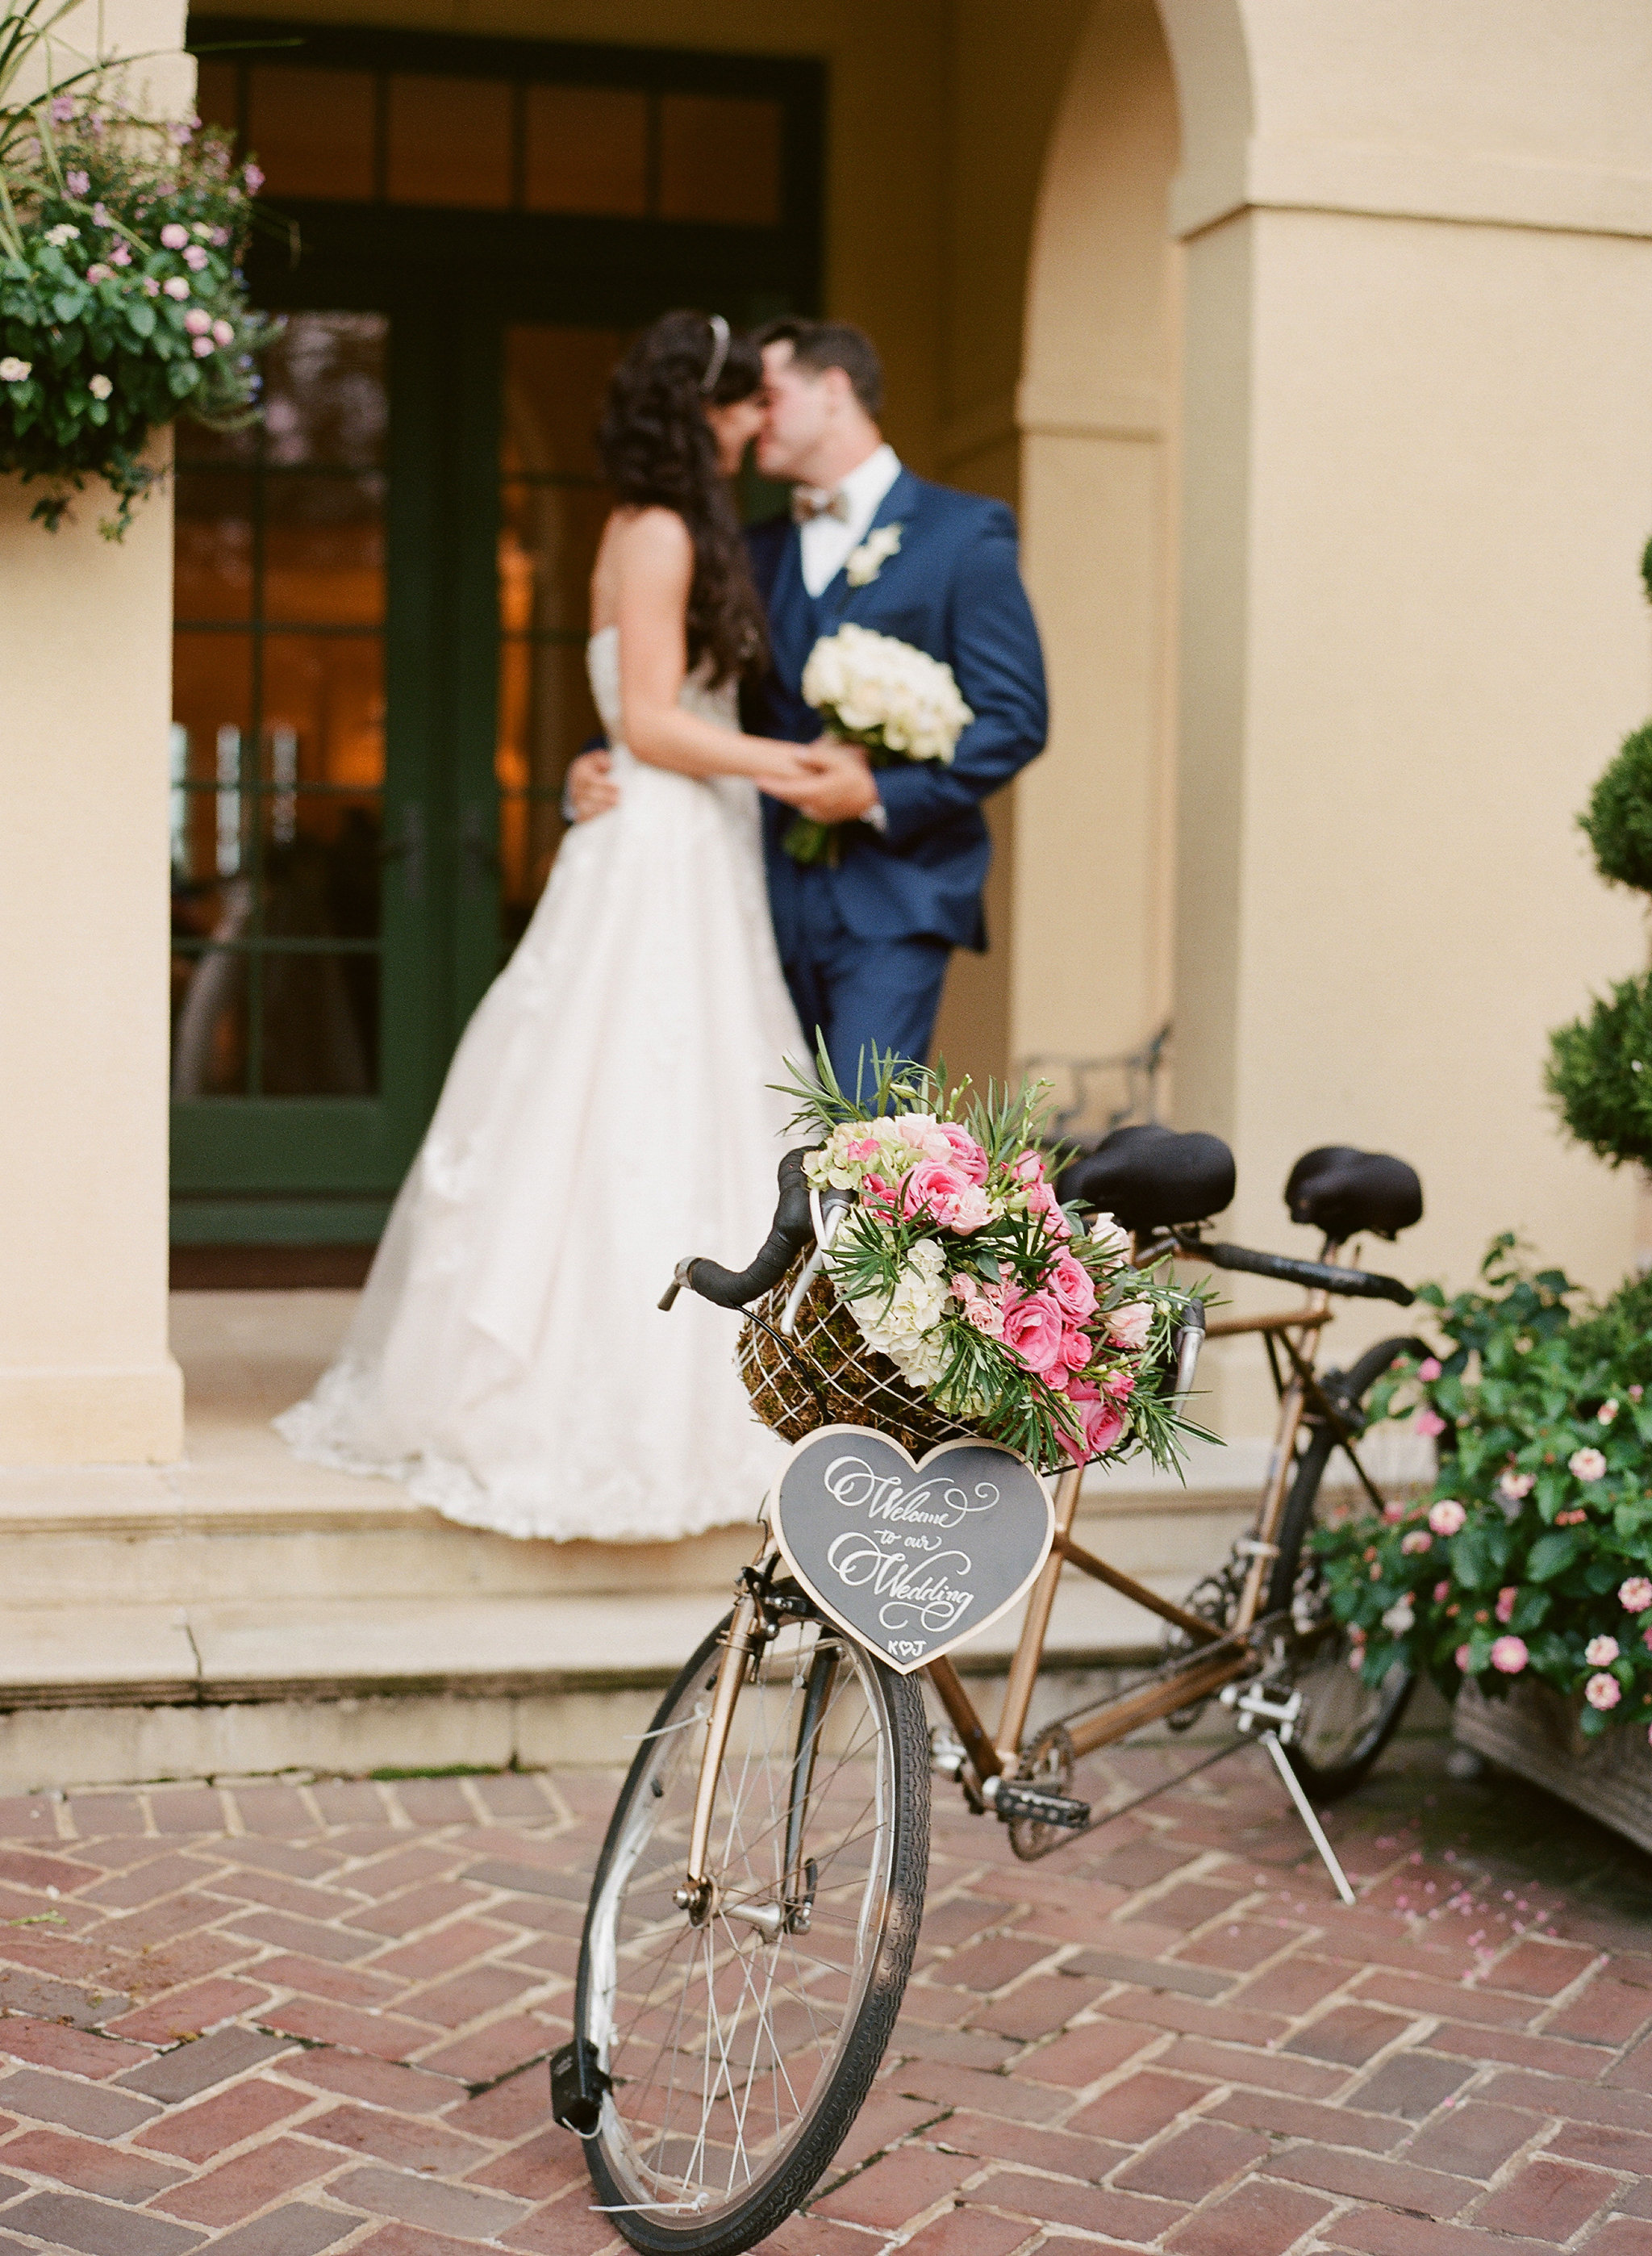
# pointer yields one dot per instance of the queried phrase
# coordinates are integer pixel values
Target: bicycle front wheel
(1345, 1723)
(737, 2051)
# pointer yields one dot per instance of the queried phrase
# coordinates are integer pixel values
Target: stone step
(239, 1611)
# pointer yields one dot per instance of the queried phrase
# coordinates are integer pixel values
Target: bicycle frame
(1219, 1657)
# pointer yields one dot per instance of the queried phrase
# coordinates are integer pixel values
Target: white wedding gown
(607, 1111)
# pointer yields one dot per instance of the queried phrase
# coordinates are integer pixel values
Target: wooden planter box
(1533, 1732)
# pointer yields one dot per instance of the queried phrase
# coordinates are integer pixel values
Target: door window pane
(311, 131)
(217, 94)
(213, 546)
(553, 505)
(449, 143)
(720, 159)
(324, 549)
(586, 151)
(278, 745)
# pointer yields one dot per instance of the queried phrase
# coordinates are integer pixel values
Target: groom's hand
(590, 789)
(843, 789)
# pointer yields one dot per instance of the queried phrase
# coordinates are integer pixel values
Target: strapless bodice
(719, 704)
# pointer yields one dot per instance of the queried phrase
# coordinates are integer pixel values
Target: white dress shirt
(826, 541)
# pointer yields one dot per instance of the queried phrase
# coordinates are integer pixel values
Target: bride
(608, 1109)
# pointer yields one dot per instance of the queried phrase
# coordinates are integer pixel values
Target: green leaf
(140, 319)
(1552, 1553)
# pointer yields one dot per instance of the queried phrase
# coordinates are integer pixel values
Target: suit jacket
(953, 588)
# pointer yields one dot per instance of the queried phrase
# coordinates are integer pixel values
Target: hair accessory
(719, 353)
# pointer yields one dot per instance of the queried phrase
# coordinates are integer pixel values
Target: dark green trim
(277, 1222)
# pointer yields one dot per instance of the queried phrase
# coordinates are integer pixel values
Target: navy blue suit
(864, 945)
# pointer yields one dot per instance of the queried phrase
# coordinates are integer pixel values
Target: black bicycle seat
(1343, 1191)
(1151, 1177)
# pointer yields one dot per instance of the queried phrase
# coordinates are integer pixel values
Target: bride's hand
(787, 772)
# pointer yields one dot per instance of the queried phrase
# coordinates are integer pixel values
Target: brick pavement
(279, 2018)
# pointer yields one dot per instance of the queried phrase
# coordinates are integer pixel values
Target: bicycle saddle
(1343, 1192)
(1149, 1177)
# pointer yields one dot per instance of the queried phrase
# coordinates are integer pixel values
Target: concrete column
(85, 702)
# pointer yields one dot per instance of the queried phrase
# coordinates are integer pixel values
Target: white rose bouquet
(895, 701)
(1000, 1310)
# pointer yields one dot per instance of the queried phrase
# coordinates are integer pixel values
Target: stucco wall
(85, 695)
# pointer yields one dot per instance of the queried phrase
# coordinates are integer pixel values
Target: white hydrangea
(907, 1326)
(873, 684)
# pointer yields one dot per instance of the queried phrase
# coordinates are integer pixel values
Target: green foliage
(1543, 1421)
(1600, 1074)
(1618, 821)
(122, 303)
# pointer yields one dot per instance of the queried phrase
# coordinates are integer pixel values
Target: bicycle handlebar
(1353, 1284)
(793, 1230)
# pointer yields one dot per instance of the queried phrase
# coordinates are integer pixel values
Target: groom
(865, 943)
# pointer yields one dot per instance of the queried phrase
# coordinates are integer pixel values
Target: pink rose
(966, 1153)
(1073, 1287)
(1461, 1658)
(1075, 1348)
(1029, 1168)
(1129, 1326)
(878, 1195)
(1429, 1368)
(1600, 1652)
(1510, 1655)
(983, 1306)
(1393, 1510)
(1505, 1602)
(1103, 1422)
(1418, 1540)
(1033, 1327)
(1634, 1596)
(946, 1194)
(1447, 1516)
(1442, 1591)
(1428, 1423)
(174, 236)
(1603, 1692)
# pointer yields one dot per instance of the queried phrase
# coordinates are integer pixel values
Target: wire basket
(824, 1374)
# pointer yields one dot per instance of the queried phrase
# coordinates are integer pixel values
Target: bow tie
(810, 501)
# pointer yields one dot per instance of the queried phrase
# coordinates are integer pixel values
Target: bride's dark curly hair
(657, 450)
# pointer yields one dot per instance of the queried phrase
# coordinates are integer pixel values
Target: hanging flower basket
(123, 305)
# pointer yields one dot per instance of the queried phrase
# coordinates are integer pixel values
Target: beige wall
(1418, 476)
(1097, 410)
(85, 700)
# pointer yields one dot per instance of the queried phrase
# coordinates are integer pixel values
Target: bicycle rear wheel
(737, 2052)
(1345, 1723)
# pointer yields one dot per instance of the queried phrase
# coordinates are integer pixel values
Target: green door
(380, 600)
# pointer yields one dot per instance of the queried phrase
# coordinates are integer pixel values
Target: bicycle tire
(1346, 1723)
(883, 1908)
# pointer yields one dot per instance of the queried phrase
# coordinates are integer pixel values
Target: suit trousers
(861, 994)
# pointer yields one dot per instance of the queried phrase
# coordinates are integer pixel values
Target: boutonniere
(873, 552)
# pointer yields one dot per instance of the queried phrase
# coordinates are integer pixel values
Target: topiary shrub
(1600, 1068)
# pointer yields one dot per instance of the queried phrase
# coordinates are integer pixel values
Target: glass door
(552, 507)
(295, 896)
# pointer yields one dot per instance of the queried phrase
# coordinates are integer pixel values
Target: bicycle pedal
(1011, 1801)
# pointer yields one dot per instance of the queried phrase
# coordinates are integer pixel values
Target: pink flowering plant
(1009, 1312)
(122, 300)
(1532, 1554)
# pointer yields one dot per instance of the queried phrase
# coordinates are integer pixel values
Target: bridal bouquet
(895, 700)
(1000, 1311)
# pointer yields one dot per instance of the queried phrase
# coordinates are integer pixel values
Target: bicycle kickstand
(1278, 1719)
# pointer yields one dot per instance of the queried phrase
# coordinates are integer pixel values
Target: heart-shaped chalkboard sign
(910, 1559)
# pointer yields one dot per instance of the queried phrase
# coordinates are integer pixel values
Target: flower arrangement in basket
(1532, 1554)
(892, 699)
(959, 1296)
(122, 302)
